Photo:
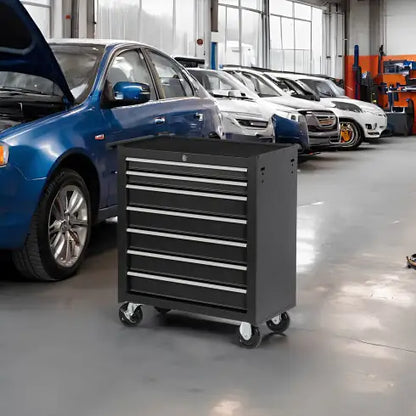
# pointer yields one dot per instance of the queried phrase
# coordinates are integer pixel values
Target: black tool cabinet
(208, 226)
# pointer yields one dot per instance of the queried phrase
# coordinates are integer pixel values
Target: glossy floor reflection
(351, 349)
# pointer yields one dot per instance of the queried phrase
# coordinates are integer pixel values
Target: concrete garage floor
(351, 349)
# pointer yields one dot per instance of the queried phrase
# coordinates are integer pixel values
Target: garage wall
(400, 27)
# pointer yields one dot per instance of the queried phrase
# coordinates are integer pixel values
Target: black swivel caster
(279, 324)
(130, 314)
(249, 335)
(162, 311)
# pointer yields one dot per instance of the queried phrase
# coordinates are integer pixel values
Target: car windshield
(220, 84)
(259, 85)
(79, 64)
(325, 88)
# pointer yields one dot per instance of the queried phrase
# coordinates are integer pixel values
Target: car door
(186, 113)
(130, 121)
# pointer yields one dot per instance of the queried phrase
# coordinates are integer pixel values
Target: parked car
(246, 117)
(294, 88)
(323, 127)
(63, 108)
(360, 121)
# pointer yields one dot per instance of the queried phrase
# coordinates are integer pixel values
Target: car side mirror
(128, 93)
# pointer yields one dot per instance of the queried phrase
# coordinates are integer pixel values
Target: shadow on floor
(103, 239)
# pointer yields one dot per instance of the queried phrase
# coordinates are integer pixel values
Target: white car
(323, 126)
(246, 117)
(359, 120)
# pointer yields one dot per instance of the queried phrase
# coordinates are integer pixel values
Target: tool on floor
(411, 261)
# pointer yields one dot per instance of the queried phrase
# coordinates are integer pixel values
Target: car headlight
(347, 107)
(4, 154)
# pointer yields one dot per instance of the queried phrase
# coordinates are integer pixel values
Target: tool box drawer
(163, 286)
(186, 222)
(191, 201)
(183, 168)
(193, 183)
(187, 267)
(185, 244)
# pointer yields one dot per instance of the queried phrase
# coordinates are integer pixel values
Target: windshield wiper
(21, 90)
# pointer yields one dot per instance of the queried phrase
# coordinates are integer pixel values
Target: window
(130, 66)
(324, 88)
(260, 86)
(240, 32)
(295, 36)
(281, 7)
(40, 11)
(171, 78)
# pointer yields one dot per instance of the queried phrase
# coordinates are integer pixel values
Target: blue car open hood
(24, 49)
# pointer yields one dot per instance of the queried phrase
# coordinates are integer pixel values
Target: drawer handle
(187, 237)
(184, 192)
(187, 215)
(187, 260)
(190, 165)
(188, 282)
(186, 178)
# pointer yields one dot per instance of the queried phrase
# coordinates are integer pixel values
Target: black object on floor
(208, 226)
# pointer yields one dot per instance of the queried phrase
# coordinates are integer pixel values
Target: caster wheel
(130, 315)
(279, 324)
(162, 311)
(249, 336)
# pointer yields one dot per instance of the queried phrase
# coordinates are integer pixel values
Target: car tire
(60, 230)
(355, 131)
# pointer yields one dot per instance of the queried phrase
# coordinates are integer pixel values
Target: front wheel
(279, 324)
(351, 136)
(60, 230)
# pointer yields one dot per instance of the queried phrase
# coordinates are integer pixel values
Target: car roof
(96, 42)
(296, 76)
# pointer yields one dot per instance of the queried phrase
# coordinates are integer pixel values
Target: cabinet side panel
(122, 225)
(276, 233)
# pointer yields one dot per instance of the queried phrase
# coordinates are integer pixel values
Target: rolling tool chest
(209, 227)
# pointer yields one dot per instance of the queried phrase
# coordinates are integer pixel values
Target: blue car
(63, 107)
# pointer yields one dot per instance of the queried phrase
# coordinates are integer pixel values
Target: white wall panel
(400, 30)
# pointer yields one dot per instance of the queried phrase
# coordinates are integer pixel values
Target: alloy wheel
(68, 225)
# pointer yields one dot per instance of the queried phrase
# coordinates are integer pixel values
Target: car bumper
(18, 201)
(293, 132)
(374, 125)
(327, 139)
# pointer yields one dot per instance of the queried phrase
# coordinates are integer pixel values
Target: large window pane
(288, 38)
(275, 33)
(281, 7)
(317, 40)
(289, 60)
(41, 16)
(276, 60)
(252, 4)
(232, 33)
(302, 11)
(185, 38)
(276, 53)
(252, 48)
(157, 24)
(221, 34)
(231, 2)
(303, 61)
(302, 34)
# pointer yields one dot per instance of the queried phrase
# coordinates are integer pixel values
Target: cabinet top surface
(203, 146)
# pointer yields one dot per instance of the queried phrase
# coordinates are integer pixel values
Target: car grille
(321, 120)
